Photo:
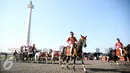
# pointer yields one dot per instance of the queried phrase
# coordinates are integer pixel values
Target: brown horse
(114, 56)
(126, 53)
(76, 52)
(30, 54)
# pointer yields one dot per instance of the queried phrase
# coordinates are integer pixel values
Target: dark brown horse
(77, 51)
(126, 55)
(31, 53)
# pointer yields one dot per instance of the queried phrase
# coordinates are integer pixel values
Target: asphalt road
(96, 66)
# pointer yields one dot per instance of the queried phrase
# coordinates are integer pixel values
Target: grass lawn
(3, 57)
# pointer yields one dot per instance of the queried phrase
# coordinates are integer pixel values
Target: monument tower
(30, 7)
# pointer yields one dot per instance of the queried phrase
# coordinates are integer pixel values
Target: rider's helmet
(71, 33)
(118, 39)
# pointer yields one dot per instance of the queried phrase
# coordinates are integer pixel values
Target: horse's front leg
(52, 59)
(129, 57)
(116, 59)
(30, 60)
(60, 60)
(46, 59)
(126, 57)
(64, 57)
(26, 58)
(22, 57)
(36, 58)
(74, 62)
(83, 65)
(67, 62)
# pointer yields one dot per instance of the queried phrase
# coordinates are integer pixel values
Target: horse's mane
(79, 42)
(79, 45)
(127, 47)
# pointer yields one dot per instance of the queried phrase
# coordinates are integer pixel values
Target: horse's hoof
(73, 68)
(60, 63)
(118, 64)
(68, 67)
(85, 71)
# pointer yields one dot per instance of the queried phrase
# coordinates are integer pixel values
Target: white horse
(42, 54)
(48, 54)
(37, 57)
(55, 55)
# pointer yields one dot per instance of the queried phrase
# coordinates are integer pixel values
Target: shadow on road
(65, 63)
(107, 70)
(80, 64)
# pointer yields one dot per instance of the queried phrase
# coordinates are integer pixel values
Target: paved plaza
(92, 66)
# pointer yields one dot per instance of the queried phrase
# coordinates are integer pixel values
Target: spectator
(6, 55)
(15, 55)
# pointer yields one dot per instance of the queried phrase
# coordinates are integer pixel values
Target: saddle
(73, 52)
(42, 53)
(56, 53)
(48, 55)
(118, 52)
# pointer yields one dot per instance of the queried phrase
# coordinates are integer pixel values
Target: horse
(112, 56)
(40, 55)
(126, 52)
(55, 55)
(22, 54)
(77, 51)
(31, 54)
(16, 56)
(63, 55)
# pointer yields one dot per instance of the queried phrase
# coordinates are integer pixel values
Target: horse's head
(127, 47)
(83, 40)
(61, 48)
(50, 51)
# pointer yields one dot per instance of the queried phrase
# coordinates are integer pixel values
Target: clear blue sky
(52, 20)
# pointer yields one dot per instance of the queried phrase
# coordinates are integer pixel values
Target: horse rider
(29, 49)
(21, 49)
(72, 42)
(25, 49)
(33, 48)
(119, 46)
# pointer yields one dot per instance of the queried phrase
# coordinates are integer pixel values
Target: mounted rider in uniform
(72, 42)
(21, 49)
(34, 49)
(119, 47)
